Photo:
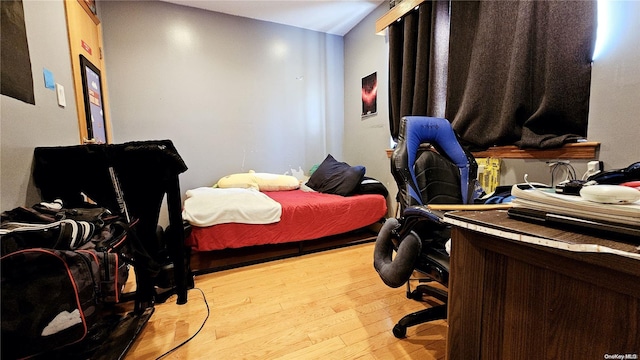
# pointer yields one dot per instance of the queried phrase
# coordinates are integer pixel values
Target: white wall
(366, 139)
(614, 112)
(233, 94)
(23, 126)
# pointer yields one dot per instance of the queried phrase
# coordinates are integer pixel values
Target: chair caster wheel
(399, 331)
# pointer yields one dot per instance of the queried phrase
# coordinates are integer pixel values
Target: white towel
(207, 206)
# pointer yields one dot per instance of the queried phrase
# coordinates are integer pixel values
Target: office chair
(430, 167)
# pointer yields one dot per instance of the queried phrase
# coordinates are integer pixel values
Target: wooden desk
(525, 291)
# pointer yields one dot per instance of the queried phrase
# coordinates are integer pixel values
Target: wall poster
(16, 79)
(370, 95)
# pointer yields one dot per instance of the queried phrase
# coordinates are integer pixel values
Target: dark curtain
(418, 45)
(520, 71)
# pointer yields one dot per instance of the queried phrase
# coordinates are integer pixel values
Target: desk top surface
(498, 223)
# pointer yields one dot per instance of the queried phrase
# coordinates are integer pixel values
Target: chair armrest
(425, 213)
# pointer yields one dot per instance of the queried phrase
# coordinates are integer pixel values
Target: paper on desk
(575, 205)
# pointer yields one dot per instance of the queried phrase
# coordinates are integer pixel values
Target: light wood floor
(328, 305)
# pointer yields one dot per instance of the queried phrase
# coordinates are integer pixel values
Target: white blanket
(207, 206)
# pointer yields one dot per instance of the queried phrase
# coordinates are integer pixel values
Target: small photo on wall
(370, 95)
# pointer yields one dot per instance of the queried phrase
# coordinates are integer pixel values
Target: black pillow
(335, 177)
(372, 186)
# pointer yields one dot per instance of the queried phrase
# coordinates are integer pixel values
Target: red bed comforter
(305, 216)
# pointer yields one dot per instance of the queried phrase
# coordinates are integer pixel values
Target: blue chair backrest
(439, 133)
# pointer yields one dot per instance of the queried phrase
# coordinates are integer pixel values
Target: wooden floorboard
(325, 305)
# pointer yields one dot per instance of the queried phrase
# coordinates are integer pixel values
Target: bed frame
(204, 262)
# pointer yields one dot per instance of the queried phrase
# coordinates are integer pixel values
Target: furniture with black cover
(430, 167)
(145, 171)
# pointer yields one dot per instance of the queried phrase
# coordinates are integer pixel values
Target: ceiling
(332, 17)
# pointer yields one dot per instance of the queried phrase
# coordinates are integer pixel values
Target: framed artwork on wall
(16, 78)
(93, 102)
(370, 95)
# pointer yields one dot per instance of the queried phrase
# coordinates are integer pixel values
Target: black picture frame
(370, 95)
(93, 101)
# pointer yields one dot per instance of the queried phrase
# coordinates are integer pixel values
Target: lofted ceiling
(332, 17)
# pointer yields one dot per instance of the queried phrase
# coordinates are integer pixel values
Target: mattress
(305, 216)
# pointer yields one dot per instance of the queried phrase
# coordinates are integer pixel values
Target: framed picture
(92, 90)
(370, 95)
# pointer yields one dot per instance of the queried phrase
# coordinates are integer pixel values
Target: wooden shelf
(395, 13)
(584, 151)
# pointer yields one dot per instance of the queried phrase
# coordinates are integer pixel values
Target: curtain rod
(396, 13)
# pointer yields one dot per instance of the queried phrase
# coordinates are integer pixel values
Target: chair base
(421, 291)
(438, 312)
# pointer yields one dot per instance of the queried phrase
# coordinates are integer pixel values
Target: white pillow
(259, 181)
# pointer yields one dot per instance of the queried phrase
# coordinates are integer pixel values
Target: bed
(283, 222)
(305, 216)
